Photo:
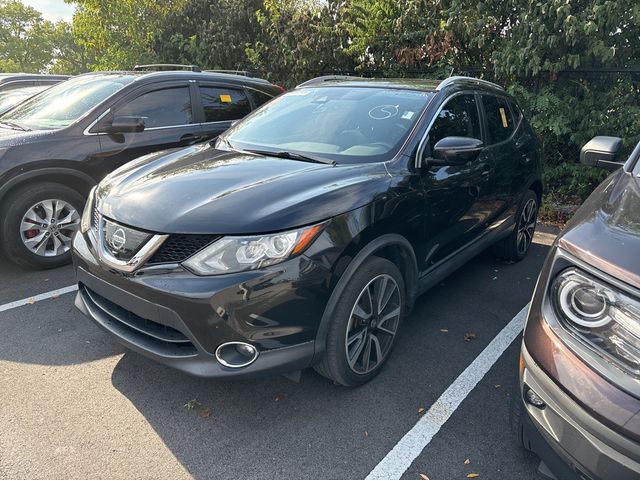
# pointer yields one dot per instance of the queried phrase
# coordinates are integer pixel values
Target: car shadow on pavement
(272, 427)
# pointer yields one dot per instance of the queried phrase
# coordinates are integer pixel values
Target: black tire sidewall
(335, 361)
(509, 248)
(16, 206)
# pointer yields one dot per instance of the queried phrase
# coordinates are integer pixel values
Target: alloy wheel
(527, 226)
(47, 227)
(373, 324)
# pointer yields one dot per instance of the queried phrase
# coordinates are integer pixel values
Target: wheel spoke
(33, 217)
(393, 314)
(376, 342)
(47, 206)
(352, 356)
(366, 358)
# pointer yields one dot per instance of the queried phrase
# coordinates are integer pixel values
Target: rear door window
(161, 108)
(500, 122)
(223, 104)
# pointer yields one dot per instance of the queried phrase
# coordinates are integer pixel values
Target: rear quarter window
(223, 104)
(259, 97)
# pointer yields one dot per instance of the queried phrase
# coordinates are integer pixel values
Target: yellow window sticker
(225, 98)
(503, 115)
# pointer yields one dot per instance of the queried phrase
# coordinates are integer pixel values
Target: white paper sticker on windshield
(407, 115)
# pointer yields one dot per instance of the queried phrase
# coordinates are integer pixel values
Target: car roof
(427, 85)
(10, 77)
(140, 75)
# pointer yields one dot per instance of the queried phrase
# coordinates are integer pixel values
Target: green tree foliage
(25, 38)
(121, 33)
(211, 33)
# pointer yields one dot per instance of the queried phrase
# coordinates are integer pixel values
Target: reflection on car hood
(203, 190)
(605, 231)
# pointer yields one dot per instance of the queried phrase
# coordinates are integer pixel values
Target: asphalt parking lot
(75, 404)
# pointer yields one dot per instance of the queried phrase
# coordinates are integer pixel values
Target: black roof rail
(165, 67)
(327, 78)
(448, 81)
(244, 73)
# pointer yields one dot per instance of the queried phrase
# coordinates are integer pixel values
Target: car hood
(203, 190)
(10, 137)
(605, 231)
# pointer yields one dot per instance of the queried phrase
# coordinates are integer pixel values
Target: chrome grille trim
(136, 261)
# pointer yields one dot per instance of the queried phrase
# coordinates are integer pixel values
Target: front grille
(177, 248)
(155, 337)
(122, 242)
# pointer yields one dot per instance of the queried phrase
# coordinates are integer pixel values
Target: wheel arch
(393, 247)
(72, 178)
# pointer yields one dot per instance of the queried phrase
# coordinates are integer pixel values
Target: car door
(221, 105)
(167, 110)
(455, 196)
(502, 150)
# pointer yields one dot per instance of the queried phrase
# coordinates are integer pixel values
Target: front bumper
(179, 319)
(573, 444)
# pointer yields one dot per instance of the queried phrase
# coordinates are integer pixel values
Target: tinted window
(259, 97)
(161, 108)
(222, 104)
(516, 112)
(458, 118)
(499, 119)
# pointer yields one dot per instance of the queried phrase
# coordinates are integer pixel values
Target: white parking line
(400, 458)
(38, 298)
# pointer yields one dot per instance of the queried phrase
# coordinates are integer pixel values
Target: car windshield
(13, 97)
(64, 103)
(340, 123)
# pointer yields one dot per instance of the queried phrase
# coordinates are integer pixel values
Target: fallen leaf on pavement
(423, 477)
(467, 461)
(498, 386)
(422, 410)
(444, 330)
(191, 404)
(31, 301)
(473, 475)
(366, 434)
(279, 397)
(204, 412)
(470, 336)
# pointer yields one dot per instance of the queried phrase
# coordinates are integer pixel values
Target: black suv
(306, 232)
(57, 145)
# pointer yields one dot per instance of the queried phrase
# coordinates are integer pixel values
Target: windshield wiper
(15, 126)
(293, 156)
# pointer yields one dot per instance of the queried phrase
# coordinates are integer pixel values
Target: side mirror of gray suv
(602, 152)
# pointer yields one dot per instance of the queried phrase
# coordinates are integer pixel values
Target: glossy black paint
(79, 156)
(426, 218)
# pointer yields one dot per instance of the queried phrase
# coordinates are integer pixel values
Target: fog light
(534, 399)
(246, 350)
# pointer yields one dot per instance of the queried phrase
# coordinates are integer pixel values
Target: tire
(516, 246)
(375, 275)
(64, 203)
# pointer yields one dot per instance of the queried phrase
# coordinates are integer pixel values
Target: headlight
(607, 318)
(87, 213)
(237, 254)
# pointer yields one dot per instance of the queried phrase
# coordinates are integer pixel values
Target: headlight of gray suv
(607, 318)
(238, 254)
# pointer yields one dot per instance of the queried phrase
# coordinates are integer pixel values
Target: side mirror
(602, 152)
(125, 124)
(455, 151)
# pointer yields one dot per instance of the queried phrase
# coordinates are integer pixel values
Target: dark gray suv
(578, 405)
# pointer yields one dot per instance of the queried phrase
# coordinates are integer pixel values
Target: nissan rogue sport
(306, 232)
